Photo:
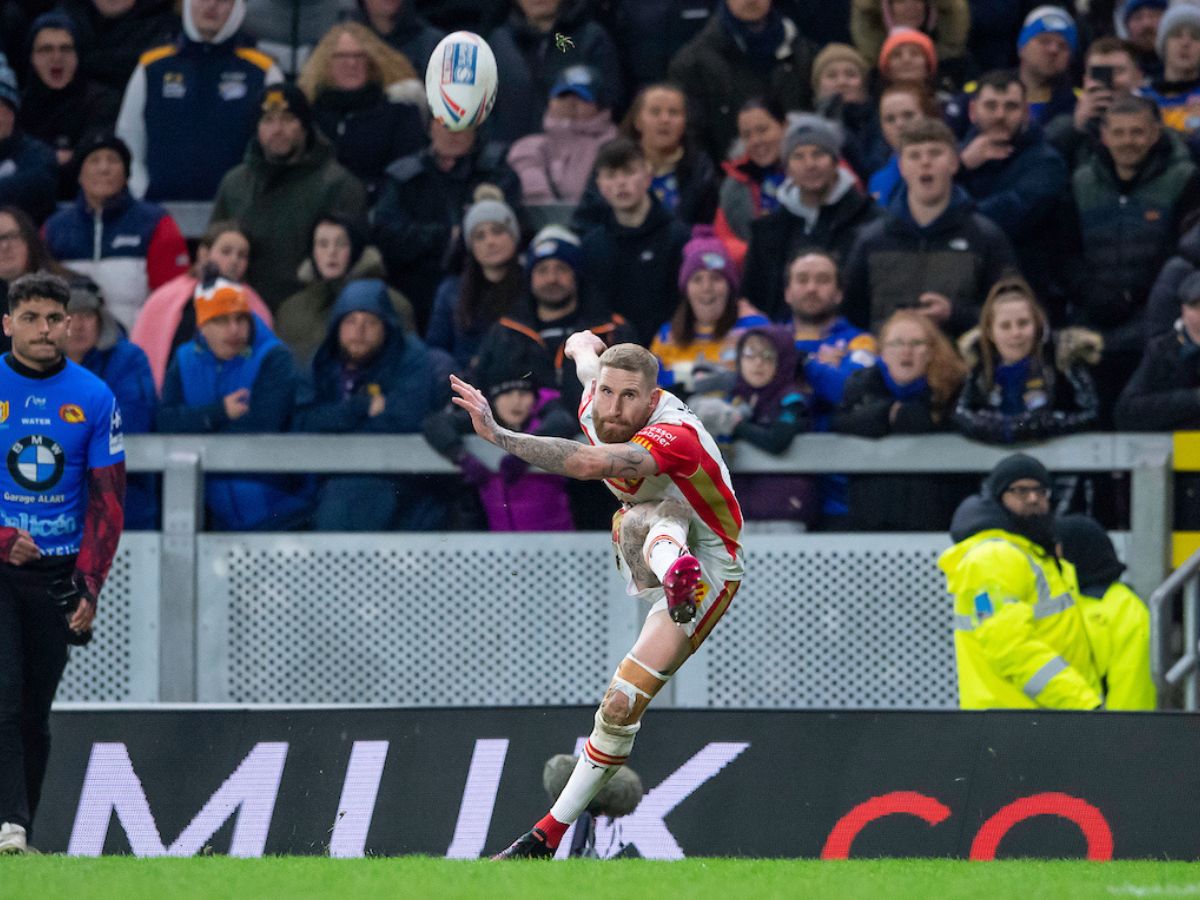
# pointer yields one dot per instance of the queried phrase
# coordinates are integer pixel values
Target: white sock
(666, 542)
(585, 783)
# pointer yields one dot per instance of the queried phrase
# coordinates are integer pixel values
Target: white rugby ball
(461, 80)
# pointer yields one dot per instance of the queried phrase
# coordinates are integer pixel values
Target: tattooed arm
(557, 455)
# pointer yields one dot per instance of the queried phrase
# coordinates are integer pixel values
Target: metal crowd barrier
(184, 460)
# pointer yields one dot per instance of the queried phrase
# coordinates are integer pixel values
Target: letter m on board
(111, 786)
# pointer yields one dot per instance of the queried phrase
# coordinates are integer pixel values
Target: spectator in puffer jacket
(1162, 307)
(370, 376)
(912, 390)
(1025, 384)
(113, 34)
(129, 247)
(95, 341)
(236, 377)
(514, 497)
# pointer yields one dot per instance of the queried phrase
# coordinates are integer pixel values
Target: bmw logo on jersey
(36, 462)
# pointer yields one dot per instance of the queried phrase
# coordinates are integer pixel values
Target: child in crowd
(513, 497)
(767, 408)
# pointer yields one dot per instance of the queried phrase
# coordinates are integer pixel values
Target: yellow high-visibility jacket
(1019, 634)
(1119, 626)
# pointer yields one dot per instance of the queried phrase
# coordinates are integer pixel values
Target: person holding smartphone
(1111, 70)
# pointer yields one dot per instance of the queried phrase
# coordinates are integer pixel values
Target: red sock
(553, 829)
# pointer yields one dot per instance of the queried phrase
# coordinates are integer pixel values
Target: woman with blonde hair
(1026, 384)
(366, 99)
(911, 390)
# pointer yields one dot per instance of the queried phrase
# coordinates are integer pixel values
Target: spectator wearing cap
(417, 221)
(1137, 22)
(529, 63)
(28, 169)
(558, 303)
(1178, 90)
(235, 377)
(1117, 620)
(945, 22)
(370, 375)
(113, 34)
(338, 256)
(129, 247)
(96, 342)
(932, 251)
(702, 335)
(842, 91)
(820, 206)
(190, 106)
(60, 104)
(554, 165)
(632, 258)
(1015, 178)
(513, 497)
(748, 49)
(1048, 40)
(362, 92)
(1164, 392)
(1012, 652)
(288, 180)
(491, 282)
(1129, 206)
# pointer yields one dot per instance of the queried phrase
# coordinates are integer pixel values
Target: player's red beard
(615, 431)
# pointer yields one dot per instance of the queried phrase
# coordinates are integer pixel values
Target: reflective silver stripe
(963, 623)
(1042, 676)
(1044, 600)
(1053, 606)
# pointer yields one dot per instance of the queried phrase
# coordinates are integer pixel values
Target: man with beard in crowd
(1019, 636)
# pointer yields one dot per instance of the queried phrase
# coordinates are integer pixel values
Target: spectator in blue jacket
(831, 349)
(95, 341)
(370, 377)
(235, 377)
(129, 247)
(1014, 176)
(191, 107)
(28, 169)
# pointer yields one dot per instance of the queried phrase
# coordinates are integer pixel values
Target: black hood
(1086, 544)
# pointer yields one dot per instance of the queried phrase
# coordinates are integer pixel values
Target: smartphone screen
(1102, 74)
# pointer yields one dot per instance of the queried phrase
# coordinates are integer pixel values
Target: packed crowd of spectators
(871, 217)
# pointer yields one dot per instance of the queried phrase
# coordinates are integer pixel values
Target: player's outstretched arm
(557, 455)
(584, 348)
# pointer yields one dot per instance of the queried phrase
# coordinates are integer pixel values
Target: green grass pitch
(293, 878)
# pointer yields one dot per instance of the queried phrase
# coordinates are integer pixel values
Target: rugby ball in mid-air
(461, 81)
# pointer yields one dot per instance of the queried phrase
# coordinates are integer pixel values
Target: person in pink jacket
(167, 319)
(555, 166)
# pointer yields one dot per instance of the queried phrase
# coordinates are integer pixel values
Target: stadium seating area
(869, 217)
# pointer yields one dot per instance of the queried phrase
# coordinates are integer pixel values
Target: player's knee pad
(633, 686)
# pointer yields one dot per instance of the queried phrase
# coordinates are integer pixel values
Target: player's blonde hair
(631, 358)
